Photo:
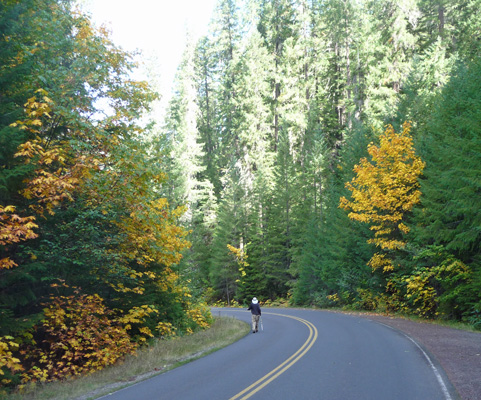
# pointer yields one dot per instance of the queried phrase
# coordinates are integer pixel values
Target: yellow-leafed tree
(383, 190)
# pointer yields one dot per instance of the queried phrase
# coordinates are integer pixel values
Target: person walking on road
(255, 309)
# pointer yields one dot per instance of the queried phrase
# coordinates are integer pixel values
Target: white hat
(254, 301)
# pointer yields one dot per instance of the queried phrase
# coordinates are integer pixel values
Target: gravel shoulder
(458, 352)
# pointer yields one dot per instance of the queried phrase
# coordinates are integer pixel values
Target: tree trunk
(441, 11)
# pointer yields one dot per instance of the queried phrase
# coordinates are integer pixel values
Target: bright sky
(157, 27)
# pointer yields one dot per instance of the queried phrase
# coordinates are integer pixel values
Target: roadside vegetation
(313, 154)
(157, 357)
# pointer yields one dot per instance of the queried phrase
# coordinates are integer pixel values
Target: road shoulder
(457, 351)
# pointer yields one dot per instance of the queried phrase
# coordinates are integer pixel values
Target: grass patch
(155, 359)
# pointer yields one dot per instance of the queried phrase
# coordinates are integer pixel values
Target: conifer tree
(224, 271)
(448, 218)
(207, 105)
(276, 19)
(281, 219)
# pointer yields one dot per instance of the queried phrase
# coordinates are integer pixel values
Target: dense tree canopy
(297, 99)
(89, 244)
(313, 152)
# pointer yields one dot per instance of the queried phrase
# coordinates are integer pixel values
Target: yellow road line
(276, 372)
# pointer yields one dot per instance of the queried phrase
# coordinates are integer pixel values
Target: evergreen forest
(320, 153)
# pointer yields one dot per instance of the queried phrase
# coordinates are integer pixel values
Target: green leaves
(286, 107)
(101, 224)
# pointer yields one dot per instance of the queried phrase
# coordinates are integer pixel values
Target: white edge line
(431, 364)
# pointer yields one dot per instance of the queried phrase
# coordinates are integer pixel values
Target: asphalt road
(304, 354)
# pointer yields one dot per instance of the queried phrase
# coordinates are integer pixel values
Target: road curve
(304, 354)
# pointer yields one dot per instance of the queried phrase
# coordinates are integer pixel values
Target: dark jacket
(255, 309)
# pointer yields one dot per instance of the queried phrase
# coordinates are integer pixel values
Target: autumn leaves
(89, 241)
(383, 190)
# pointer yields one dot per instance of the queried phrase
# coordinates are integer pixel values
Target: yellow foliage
(134, 322)
(333, 297)
(422, 283)
(79, 337)
(384, 189)
(240, 258)
(221, 303)
(367, 299)
(59, 171)
(14, 229)
(420, 291)
(165, 329)
(7, 360)
(393, 299)
(137, 315)
(200, 315)
(144, 330)
(151, 241)
(152, 237)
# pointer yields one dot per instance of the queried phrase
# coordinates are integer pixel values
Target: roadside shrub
(279, 302)
(475, 319)
(223, 303)
(76, 337)
(324, 300)
(198, 317)
(135, 322)
(165, 330)
(367, 300)
(9, 364)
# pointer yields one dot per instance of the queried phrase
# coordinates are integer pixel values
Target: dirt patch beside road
(457, 351)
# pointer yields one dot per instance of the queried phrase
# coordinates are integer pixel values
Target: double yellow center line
(275, 373)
